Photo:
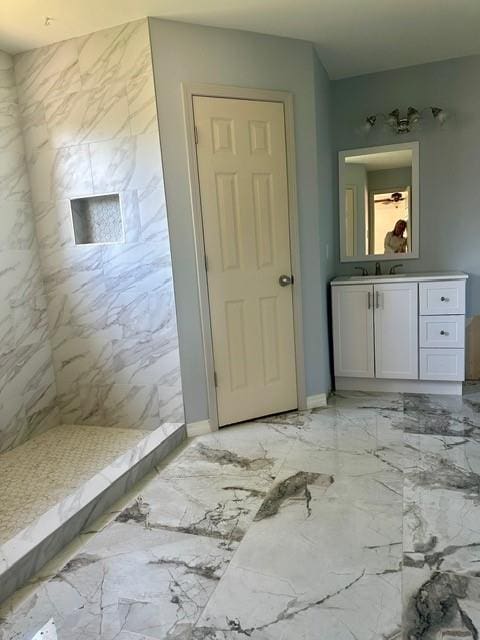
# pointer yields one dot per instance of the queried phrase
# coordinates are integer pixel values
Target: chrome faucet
(393, 269)
(363, 270)
(378, 270)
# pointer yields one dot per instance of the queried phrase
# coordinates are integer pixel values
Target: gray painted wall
(449, 164)
(191, 53)
(389, 178)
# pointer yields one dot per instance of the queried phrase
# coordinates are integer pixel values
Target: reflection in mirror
(378, 202)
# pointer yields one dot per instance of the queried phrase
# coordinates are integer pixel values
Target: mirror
(378, 201)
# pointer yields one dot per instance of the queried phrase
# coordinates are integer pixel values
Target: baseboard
(399, 386)
(318, 401)
(199, 428)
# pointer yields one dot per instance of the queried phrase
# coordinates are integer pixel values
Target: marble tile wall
(90, 127)
(27, 381)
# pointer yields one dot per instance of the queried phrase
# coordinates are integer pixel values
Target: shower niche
(97, 219)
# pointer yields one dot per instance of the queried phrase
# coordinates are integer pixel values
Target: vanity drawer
(442, 364)
(446, 332)
(442, 297)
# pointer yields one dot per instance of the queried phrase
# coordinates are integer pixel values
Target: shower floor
(41, 472)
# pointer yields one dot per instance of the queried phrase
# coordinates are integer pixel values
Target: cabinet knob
(444, 299)
(443, 333)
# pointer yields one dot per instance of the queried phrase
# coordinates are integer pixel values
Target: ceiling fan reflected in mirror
(395, 198)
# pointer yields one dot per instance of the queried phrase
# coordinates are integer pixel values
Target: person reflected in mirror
(395, 242)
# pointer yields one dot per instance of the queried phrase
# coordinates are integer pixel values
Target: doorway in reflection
(389, 221)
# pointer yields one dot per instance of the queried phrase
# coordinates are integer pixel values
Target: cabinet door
(396, 330)
(352, 308)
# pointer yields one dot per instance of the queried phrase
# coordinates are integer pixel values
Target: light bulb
(413, 115)
(392, 118)
(439, 114)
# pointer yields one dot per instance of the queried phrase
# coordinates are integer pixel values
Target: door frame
(189, 90)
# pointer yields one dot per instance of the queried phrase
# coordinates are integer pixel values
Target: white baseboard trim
(399, 386)
(317, 401)
(199, 428)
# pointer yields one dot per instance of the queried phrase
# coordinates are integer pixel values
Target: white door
(352, 312)
(396, 330)
(242, 168)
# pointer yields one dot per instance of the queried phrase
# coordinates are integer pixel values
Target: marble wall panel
(88, 116)
(141, 104)
(117, 54)
(8, 90)
(90, 127)
(27, 381)
(47, 72)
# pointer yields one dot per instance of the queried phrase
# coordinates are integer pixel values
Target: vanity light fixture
(404, 123)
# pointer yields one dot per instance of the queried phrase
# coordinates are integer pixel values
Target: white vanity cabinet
(399, 333)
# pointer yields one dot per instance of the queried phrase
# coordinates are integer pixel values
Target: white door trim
(242, 93)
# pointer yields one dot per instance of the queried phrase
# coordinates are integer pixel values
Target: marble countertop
(400, 277)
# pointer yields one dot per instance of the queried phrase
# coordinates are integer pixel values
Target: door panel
(236, 344)
(262, 210)
(270, 339)
(241, 154)
(353, 331)
(396, 330)
(227, 196)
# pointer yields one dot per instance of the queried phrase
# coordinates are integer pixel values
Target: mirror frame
(415, 201)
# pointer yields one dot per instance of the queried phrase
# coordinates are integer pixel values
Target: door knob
(285, 280)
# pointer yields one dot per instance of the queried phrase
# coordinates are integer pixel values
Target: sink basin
(401, 276)
(375, 277)
(383, 276)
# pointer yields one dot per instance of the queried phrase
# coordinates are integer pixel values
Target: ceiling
(386, 160)
(352, 36)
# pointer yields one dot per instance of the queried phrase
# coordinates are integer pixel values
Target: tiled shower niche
(97, 219)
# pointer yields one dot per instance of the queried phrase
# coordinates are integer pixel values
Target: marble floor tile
(442, 504)
(360, 520)
(217, 486)
(128, 578)
(330, 554)
(441, 415)
(439, 605)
